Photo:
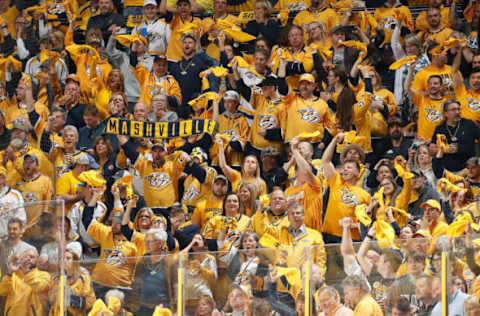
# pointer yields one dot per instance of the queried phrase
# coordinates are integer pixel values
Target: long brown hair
(344, 115)
(122, 79)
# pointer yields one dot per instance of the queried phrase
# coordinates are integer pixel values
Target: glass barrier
(31, 258)
(138, 285)
(244, 274)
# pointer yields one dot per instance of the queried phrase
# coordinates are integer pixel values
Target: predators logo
(473, 104)
(191, 193)
(387, 23)
(434, 115)
(157, 89)
(29, 197)
(310, 115)
(114, 257)
(61, 170)
(296, 6)
(348, 197)
(266, 122)
(158, 180)
(378, 98)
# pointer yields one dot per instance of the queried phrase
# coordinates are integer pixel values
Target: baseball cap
(389, 154)
(307, 77)
(73, 77)
(117, 217)
(432, 203)
(76, 248)
(473, 161)
(418, 173)
(220, 177)
(270, 80)
(231, 95)
(178, 207)
(395, 120)
(94, 40)
(269, 151)
(158, 56)
(148, 2)
(159, 143)
(180, 1)
(336, 29)
(86, 159)
(32, 156)
(20, 124)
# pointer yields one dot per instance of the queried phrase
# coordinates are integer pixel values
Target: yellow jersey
(206, 209)
(342, 199)
(379, 122)
(211, 23)
(175, 46)
(439, 36)
(194, 191)
(269, 114)
(327, 17)
(118, 257)
(306, 116)
(160, 183)
(69, 184)
(470, 102)
(367, 306)
(310, 196)
(421, 23)
(430, 115)
(235, 128)
(40, 188)
(236, 180)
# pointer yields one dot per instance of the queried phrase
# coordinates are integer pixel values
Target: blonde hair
(258, 180)
(266, 5)
(253, 196)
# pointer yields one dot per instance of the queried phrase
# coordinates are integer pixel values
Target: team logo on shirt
(61, 170)
(348, 197)
(296, 6)
(266, 122)
(310, 115)
(157, 89)
(6, 211)
(387, 23)
(378, 98)
(191, 193)
(158, 180)
(473, 104)
(434, 115)
(114, 257)
(29, 197)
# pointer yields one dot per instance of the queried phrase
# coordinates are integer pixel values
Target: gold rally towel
(130, 128)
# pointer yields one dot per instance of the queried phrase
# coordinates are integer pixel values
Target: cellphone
(144, 32)
(349, 28)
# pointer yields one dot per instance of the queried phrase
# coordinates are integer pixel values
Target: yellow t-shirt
(341, 203)
(439, 37)
(328, 17)
(40, 188)
(421, 23)
(234, 227)
(385, 19)
(175, 48)
(236, 180)
(306, 116)
(69, 184)
(367, 307)
(117, 266)
(160, 183)
(268, 115)
(420, 82)
(236, 127)
(194, 190)
(310, 196)
(379, 123)
(470, 103)
(205, 210)
(207, 23)
(430, 115)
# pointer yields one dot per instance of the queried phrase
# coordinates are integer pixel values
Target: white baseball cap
(147, 2)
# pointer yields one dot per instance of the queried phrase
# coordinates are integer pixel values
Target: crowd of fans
(344, 165)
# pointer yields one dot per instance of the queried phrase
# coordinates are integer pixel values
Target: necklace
(184, 69)
(453, 137)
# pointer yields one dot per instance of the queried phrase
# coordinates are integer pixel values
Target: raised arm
(328, 167)
(408, 82)
(222, 161)
(302, 163)
(346, 248)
